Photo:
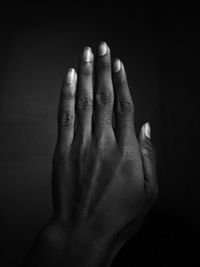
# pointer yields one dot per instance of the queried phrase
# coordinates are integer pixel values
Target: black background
(159, 45)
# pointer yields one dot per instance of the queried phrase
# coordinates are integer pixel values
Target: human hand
(104, 178)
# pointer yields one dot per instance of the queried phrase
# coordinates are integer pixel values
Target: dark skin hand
(104, 177)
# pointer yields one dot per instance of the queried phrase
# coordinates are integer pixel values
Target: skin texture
(104, 177)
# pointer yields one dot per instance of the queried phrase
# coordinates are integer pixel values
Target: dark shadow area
(159, 46)
(164, 240)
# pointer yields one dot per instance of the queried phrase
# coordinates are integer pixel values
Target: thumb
(148, 155)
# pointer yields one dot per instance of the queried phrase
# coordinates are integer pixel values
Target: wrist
(78, 248)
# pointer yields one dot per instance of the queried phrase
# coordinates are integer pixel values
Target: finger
(66, 112)
(104, 90)
(124, 128)
(149, 159)
(84, 104)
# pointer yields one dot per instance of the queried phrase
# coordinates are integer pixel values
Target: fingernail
(147, 130)
(70, 75)
(117, 65)
(103, 48)
(87, 54)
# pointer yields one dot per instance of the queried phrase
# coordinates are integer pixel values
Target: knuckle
(127, 123)
(84, 103)
(101, 147)
(103, 64)
(124, 107)
(104, 97)
(65, 119)
(67, 94)
(128, 153)
(86, 70)
(121, 81)
(105, 123)
(149, 150)
(101, 150)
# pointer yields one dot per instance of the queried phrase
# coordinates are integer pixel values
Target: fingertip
(69, 84)
(117, 65)
(145, 132)
(148, 156)
(71, 76)
(103, 48)
(119, 73)
(87, 55)
(147, 148)
(145, 140)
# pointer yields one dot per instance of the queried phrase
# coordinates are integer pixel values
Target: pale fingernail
(103, 48)
(87, 54)
(117, 65)
(70, 75)
(147, 130)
